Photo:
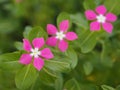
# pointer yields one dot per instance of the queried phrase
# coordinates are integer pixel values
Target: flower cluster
(36, 55)
(60, 37)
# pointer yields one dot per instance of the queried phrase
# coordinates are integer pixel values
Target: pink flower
(60, 37)
(35, 53)
(101, 18)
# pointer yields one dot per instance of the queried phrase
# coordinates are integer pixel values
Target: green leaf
(72, 57)
(10, 56)
(71, 84)
(106, 58)
(89, 4)
(37, 32)
(59, 83)
(113, 7)
(9, 61)
(27, 31)
(80, 20)
(26, 77)
(92, 4)
(47, 76)
(106, 87)
(63, 16)
(18, 45)
(87, 40)
(88, 68)
(57, 66)
(62, 62)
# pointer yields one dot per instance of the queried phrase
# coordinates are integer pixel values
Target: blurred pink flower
(60, 36)
(101, 18)
(35, 53)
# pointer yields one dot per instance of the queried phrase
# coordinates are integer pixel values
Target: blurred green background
(15, 15)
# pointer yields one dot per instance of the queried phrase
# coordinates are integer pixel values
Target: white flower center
(101, 18)
(35, 52)
(60, 35)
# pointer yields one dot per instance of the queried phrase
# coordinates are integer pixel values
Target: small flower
(35, 53)
(60, 37)
(101, 18)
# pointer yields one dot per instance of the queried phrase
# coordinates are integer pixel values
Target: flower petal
(51, 41)
(95, 26)
(63, 45)
(71, 36)
(90, 15)
(101, 9)
(111, 17)
(38, 42)
(26, 45)
(108, 27)
(51, 29)
(46, 53)
(64, 25)
(25, 59)
(38, 63)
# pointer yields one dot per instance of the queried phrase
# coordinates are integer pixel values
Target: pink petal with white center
(26, 45)
(38, 63)
(46, 53)
(51, 29)
(111, 17)
(94, 26)
(64, 25)
(71, 36)
(25, 59)
(63, 45)
(108, 27)
(101, 9)
(51, 41)
(38, 42)
(90, 15)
